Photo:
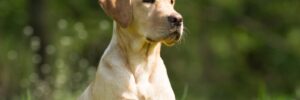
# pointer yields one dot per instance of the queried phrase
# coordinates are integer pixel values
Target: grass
(27, 96)
(185, 92)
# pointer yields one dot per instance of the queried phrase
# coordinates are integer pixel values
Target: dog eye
(149, 1)
(172, 1)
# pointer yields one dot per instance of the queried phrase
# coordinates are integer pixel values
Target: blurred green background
(232, 49)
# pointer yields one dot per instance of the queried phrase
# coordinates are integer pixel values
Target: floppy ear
(119, 10)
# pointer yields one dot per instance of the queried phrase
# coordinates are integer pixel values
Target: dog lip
(149, 39)
(172, 38)
(175, 35)
(173, 30)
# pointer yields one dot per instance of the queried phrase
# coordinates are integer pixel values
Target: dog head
(155, 20)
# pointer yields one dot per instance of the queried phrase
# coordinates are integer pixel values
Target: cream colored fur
(131, 68)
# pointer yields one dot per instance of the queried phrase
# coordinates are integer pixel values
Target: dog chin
(172, 39)
(169, 43)
(168, 40)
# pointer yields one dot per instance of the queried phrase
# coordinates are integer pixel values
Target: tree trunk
(37, 20)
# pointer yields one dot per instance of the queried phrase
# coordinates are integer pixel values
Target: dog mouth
(172, 38)
(169, 38)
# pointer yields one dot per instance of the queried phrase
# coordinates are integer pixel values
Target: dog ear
(119, 10)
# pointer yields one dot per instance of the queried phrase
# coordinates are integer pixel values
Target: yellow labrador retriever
(131, 67)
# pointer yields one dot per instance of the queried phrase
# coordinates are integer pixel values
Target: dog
(131, 67)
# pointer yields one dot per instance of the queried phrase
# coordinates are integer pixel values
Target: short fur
(131, 67)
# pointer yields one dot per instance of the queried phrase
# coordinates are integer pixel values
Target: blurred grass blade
(28, 95)
(185, 92)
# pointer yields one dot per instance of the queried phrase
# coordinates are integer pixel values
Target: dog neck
(132, 50)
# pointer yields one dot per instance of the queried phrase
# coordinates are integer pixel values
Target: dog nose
(175, 19)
